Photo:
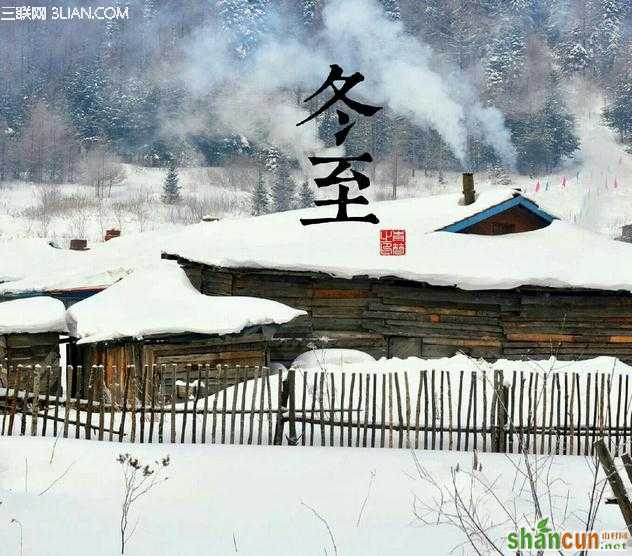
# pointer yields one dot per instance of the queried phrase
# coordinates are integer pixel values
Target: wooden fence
(531, 411)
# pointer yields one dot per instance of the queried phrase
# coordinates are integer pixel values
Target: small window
(501, 228)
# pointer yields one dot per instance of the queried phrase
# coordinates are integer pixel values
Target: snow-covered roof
(161, 300)
(33, 265)
(559, 255)
(32, 315)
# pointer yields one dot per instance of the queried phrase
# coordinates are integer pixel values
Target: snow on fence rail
(532, 411)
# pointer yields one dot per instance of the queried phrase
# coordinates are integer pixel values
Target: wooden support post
(291, 381)
(615, 481)
(35, 406)
(501, 403)
(280, 421)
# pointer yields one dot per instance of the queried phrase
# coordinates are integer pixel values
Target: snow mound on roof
(332, 360)
(559, 255)
(32, 315)
(33, 265)
(161, 300)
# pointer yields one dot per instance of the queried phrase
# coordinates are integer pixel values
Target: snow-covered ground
(65, 211)
(66, 499)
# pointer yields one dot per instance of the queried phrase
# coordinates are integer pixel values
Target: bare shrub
(101, 169)
(138, 480)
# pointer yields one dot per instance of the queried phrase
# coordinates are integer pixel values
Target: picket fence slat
(552, 412)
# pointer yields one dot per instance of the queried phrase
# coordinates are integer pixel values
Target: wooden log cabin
(30, 331)
(492, 276)
(156, 317)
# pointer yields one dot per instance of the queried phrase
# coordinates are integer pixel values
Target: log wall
(232, 350)
(393, 317)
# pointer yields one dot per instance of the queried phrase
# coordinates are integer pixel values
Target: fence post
(283, 394)
(501, 395)
(615, 481)
(290, 385)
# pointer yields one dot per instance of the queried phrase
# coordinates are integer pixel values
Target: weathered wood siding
(29, 350)
(393, 317)
(518, 218)
(232, 350)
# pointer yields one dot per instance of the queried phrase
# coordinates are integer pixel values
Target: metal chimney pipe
(469, 195)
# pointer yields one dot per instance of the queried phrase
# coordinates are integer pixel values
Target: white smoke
(257, 98)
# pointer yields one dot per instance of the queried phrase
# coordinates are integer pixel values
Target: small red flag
(537, 186)
(563, 181)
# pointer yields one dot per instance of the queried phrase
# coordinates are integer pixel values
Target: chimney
(78, 244)
(109, 234)
(469, 195)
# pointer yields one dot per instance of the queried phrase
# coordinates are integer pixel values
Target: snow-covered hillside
(594, 191)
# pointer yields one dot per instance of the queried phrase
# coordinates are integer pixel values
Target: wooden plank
(311, 435)
(433, 397)
(143, 393)
(46, 398)
(321, 407)
(332, 402)
(484, 386)
(58, 391)
(101, 399)
(79, 379)
(450, 423)
(245, 375)
(441, 408)
(303, 408)
(468, 419)
(350, 411)
(458, 411)
(66, 399)
(373, 410)
(390, 410)
(206, 373)
(357, 443)
(587, 437)
(151, 380)
(125, 398)
(261, 405)
(408, 410)
(418, 411)
(90, 378)
(367, 381)
(162, 397)
(425, 381)
(279, 408)
(400, 415)
(174, 397)
(186, 402)
(114, 394)
(579, 414)
(233, 415)
(252, 406)
(383, 420)
(341, 440)
(35, 405)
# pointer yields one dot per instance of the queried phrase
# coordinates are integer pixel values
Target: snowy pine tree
(171, 187)
(391, 9)
(305, 195)
(260, 198)
(283, 188)
(244, 21)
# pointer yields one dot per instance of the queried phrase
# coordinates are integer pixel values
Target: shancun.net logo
(542, 537)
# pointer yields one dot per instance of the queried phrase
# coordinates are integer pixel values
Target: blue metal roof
(517, 201)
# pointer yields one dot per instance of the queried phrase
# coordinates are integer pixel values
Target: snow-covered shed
(35, 266)
(156, 317)
(30, 330)
(552, 289)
